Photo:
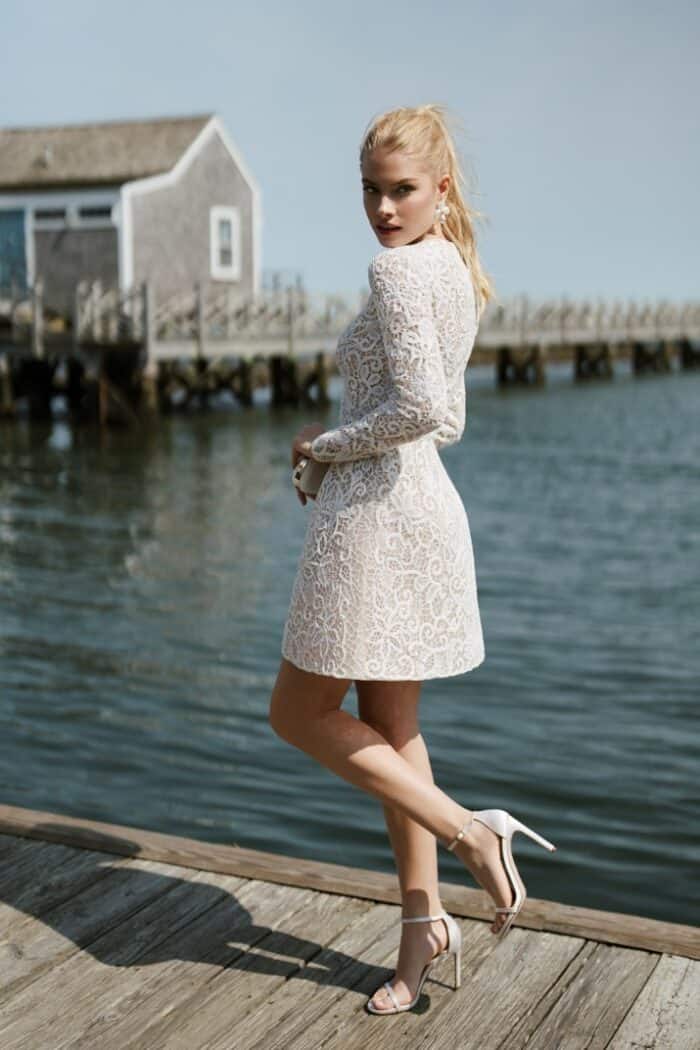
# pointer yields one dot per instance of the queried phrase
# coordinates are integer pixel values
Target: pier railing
(124, 355)
(208, 321)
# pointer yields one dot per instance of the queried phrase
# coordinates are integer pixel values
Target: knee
(279, 724)
(278, 719)
(396, 732)
(286, 720)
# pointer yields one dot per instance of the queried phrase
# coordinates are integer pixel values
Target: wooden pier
(119, 938)
(122, 357)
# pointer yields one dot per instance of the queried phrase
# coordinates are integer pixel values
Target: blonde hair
(424, 133)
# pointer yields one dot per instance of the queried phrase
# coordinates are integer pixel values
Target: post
(322, 379)
(78, 301)
(149, 377)
(38, 318)
(95, 294)
(200, 319)
(7, 402)
(523, 319)
(290, 321)
(147, 321)
(228, 327)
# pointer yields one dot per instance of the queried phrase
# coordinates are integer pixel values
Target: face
(400, 197)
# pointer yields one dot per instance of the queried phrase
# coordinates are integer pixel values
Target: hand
(302, 440)
(301, 447)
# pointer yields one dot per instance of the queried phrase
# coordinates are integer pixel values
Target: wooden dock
(118, 937)
(124, 358)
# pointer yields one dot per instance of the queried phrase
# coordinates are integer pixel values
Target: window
(225, 242)
(97, 214)
(49, 218)
(50, 213)
(97, 211)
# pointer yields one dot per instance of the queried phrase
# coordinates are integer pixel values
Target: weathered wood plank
(589, 923)
(12, 847)
(189, 1006)
(610, 927)
(153, 989)
(243, 1003)
(44, 877)
(666, 1014)
(593, 1004)
(343, 1021)
(500, 981)
(92, 979)
(233, 860)
(165, 956)
(36, 945)
(307, 992)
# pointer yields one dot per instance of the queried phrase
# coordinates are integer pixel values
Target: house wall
(171, 225)
(65, 257)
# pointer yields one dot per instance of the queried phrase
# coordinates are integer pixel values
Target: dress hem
(364, 677)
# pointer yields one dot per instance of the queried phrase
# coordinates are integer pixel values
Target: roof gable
(93, 154)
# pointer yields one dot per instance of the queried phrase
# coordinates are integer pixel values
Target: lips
(387, 229)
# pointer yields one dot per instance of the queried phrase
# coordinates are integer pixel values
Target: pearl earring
(442, 210)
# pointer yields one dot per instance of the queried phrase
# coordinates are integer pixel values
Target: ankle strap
(461, 833)
(426, 918)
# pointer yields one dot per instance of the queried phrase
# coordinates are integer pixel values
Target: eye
(406, 188)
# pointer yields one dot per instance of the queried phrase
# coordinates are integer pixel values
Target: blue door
(13, 262)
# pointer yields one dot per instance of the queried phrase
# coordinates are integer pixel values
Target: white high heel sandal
(454, 947)
(500, 821)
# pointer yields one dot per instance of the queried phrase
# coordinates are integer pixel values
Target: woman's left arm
(417, 403)
(452, 427)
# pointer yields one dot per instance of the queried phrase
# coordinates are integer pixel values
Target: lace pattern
(385, 585)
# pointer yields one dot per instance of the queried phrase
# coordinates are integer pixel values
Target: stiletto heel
(504, 825)
(454, 947)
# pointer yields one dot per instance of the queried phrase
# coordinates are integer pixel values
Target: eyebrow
(399, 183)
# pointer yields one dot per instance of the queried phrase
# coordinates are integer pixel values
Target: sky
(578, 123)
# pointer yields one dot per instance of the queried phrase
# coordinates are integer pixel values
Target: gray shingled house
(169, 201)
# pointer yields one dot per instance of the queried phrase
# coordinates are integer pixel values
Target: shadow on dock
(115, 936)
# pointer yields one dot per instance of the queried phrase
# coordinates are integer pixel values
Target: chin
(392, 240)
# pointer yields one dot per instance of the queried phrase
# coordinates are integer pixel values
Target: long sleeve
(452, 427)
(417, 401)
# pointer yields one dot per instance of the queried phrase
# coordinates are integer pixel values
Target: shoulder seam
(396, 254)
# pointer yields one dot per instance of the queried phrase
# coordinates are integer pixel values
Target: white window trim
(73, 219)
(232, 212)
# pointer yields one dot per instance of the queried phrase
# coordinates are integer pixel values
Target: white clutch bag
(308, 475)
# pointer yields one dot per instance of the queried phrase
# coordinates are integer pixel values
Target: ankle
(463, 830)
(434, 909)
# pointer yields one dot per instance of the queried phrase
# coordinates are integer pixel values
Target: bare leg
(305, 710)
(391, 708)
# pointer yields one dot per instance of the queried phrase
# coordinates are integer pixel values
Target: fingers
(301, 450)
(300, 447)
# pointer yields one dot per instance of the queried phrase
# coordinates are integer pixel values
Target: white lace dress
(385, 587)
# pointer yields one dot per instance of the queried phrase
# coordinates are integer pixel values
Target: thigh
(298, 695)
(391, 708)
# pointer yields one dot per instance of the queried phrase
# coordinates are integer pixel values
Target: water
(145, 579)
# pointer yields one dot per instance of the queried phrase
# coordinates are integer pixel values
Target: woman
(385, 593)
